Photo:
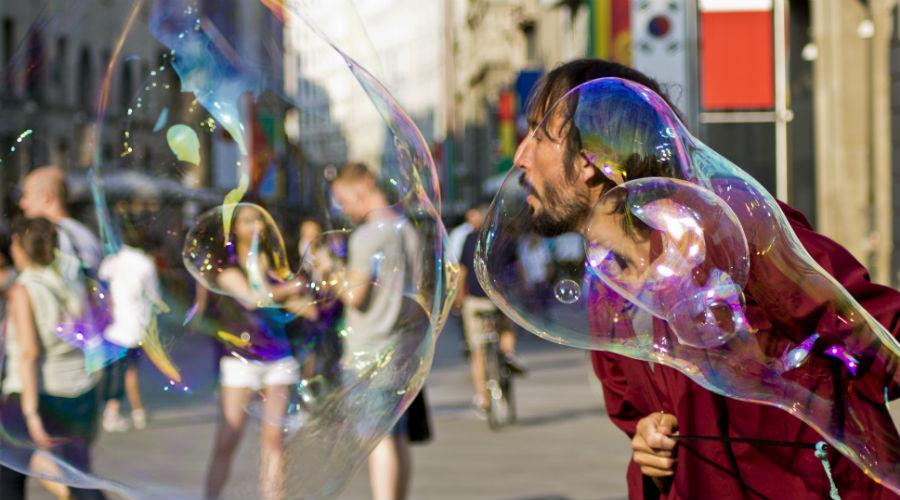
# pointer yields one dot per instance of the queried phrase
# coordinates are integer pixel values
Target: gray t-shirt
(388, 252)
(61, 366)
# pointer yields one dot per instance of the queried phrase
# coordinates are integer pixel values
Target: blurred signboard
(662, 46)
(736, 55)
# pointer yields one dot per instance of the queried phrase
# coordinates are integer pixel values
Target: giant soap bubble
(196, 135)
(673, 231)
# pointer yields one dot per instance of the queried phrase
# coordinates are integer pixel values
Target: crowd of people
(270, 332)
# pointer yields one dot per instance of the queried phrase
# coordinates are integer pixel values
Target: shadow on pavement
(562, 416)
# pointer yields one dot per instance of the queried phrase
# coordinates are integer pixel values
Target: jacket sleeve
(619, 406)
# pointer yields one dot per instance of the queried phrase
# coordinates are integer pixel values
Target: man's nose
(522, 159)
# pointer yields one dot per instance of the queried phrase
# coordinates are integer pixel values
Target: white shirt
(568, 247)
(457, 239)
(134, 289)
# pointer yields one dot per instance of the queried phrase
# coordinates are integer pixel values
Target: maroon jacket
(708, 469)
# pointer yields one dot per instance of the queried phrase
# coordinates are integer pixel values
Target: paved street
(562, 448)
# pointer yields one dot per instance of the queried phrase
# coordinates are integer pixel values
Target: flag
(610, 30)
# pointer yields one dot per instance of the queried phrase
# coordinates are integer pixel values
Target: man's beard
(559, 214)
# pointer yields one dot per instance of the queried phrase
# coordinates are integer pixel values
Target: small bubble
(567, 291)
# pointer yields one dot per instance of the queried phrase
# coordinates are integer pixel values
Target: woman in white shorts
(258, 358)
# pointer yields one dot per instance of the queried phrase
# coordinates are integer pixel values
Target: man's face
(351, 198)
(310, 231)
(558, 204)
(33, 198)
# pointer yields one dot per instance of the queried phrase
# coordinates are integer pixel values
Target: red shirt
(708, 469)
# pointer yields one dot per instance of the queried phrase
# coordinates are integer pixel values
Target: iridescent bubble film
(689, 262)
(269, 269)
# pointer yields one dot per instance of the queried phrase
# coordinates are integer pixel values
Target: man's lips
(527, 186)
(532, 199)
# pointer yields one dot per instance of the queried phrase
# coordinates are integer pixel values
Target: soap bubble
(208, 252)
(195, 137)
(567, 291)
(675, 232)
(700, 264)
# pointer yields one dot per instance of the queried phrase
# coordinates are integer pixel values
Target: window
(58, 73)
(107, 153)
(35, 70)
(62, 154)
(170, 78)
(528, 30)
(85, 80)
(9, 40)
(127, 87)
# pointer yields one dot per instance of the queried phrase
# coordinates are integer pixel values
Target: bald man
(44, 195)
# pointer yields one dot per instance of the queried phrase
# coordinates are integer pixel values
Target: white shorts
(237, 372)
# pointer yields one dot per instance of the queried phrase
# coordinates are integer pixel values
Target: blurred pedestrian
(457, 237)
(44, 194)
(315, 336)
(374, 312)
(536, 262)
(7, 275)
(7, 279)
(135, 293)
(568, 253)
(455, 242)
(49, 399)
(310, 235)
(259, 357)
(476, 302)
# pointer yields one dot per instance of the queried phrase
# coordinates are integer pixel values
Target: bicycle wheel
(497, 409)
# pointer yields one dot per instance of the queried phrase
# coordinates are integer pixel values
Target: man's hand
(653, 449)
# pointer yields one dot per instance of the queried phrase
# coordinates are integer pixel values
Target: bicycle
(501, 409)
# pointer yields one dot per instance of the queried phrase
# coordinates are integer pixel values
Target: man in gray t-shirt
(384, 270)
(382, 253)
(383, 267)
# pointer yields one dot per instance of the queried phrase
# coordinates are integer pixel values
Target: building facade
(54, 62)
(397, 42)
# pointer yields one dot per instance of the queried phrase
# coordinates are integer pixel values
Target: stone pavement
(563, 446)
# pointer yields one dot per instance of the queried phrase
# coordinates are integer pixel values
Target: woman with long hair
(258, 356)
